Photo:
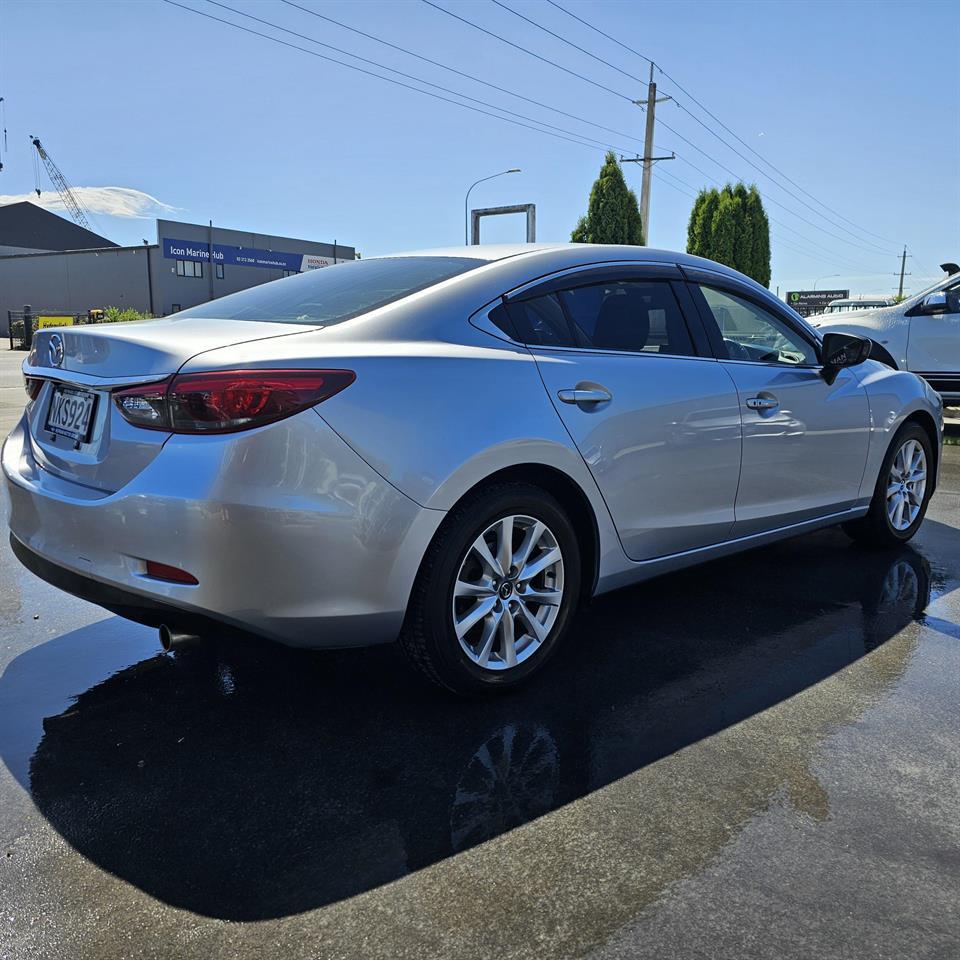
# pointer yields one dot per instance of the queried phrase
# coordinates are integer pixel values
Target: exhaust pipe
(171, 639)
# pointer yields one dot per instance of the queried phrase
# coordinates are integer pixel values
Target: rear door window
(630, 316)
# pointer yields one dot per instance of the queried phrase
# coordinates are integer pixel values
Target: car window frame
(592, 274)
(729, 285)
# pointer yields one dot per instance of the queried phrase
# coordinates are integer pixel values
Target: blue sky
(855, 102)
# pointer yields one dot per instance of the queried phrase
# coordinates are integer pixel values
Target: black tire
(428, 637)
(875, 529)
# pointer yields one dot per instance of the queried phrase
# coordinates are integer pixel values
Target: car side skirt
(647, 569)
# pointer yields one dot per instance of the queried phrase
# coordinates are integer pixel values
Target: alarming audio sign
(808, 302)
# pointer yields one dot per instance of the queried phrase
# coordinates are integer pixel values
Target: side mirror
(934, 303)
(841, 350)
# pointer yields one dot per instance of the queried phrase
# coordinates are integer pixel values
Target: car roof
(591, 253)
(505, 266)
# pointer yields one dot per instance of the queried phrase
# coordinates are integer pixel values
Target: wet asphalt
(756, 758)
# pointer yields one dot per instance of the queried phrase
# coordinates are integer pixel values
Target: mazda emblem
(55, 350)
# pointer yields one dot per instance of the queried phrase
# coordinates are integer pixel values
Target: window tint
(639, 317)
(334, 294)
(751, 333)
(542, 321)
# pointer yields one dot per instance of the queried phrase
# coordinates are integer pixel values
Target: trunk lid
(86, 363)
(146, 348)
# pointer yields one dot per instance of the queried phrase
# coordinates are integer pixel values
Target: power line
(767, 162)
(586, 23)
(711, 131)
(536, 56)
(408, 76)
(790, 193)
(768, 198)
(476, 79)
(687, 189)
(459, 73)
(562, 134)
(675, 132)
(570, 43)
(370, 73)
(538, 129)
(773, 220)
(716, 119)
(780, 223)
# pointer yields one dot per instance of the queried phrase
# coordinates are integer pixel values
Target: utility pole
(903, 266)
(648, 159)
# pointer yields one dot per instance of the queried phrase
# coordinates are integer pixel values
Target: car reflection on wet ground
(754, 758)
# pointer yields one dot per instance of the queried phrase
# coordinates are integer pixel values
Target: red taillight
(228, 400)
(163, 571)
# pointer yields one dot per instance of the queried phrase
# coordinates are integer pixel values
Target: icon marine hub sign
(226, 253)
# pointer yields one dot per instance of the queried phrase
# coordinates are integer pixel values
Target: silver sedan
(453, 448)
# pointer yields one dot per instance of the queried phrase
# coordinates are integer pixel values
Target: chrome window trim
(593, 351)
(481, 320)
(86, 379)
(734, 288)
(779, 364)
(665, 265)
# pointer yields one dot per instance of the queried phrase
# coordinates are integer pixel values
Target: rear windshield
(334, 294)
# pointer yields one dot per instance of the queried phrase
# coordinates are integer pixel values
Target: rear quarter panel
(437, 423)
(437, 417)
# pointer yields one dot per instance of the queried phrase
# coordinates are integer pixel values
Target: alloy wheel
(906, 485)
(508, 592)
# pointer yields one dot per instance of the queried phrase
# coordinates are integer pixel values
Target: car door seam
(736, 495)
(576, 447)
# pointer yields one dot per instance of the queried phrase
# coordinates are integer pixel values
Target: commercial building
(189, 264)
(27, 228)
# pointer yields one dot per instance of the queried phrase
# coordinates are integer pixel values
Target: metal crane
(60, 182)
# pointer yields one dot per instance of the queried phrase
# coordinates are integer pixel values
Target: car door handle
(577, 395)
(762, 403)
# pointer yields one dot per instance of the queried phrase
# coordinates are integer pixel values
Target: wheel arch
(881, 354)
(574, 501)
(929, 426)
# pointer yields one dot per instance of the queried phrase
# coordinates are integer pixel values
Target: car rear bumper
(290, 534)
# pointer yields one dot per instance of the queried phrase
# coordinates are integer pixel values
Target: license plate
(71, 413)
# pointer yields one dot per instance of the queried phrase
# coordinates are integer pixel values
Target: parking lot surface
(756, 758)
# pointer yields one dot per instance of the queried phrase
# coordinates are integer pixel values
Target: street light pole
(829, 276)
(466, 201)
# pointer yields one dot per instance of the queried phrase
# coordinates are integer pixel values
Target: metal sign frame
(530, 209)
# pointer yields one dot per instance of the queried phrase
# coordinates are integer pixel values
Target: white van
(921, 334)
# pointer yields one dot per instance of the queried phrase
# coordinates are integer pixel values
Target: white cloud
(109, 201)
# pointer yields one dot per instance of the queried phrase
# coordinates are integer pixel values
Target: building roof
(26, 225)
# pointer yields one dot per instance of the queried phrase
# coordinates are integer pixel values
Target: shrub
(123, 315)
